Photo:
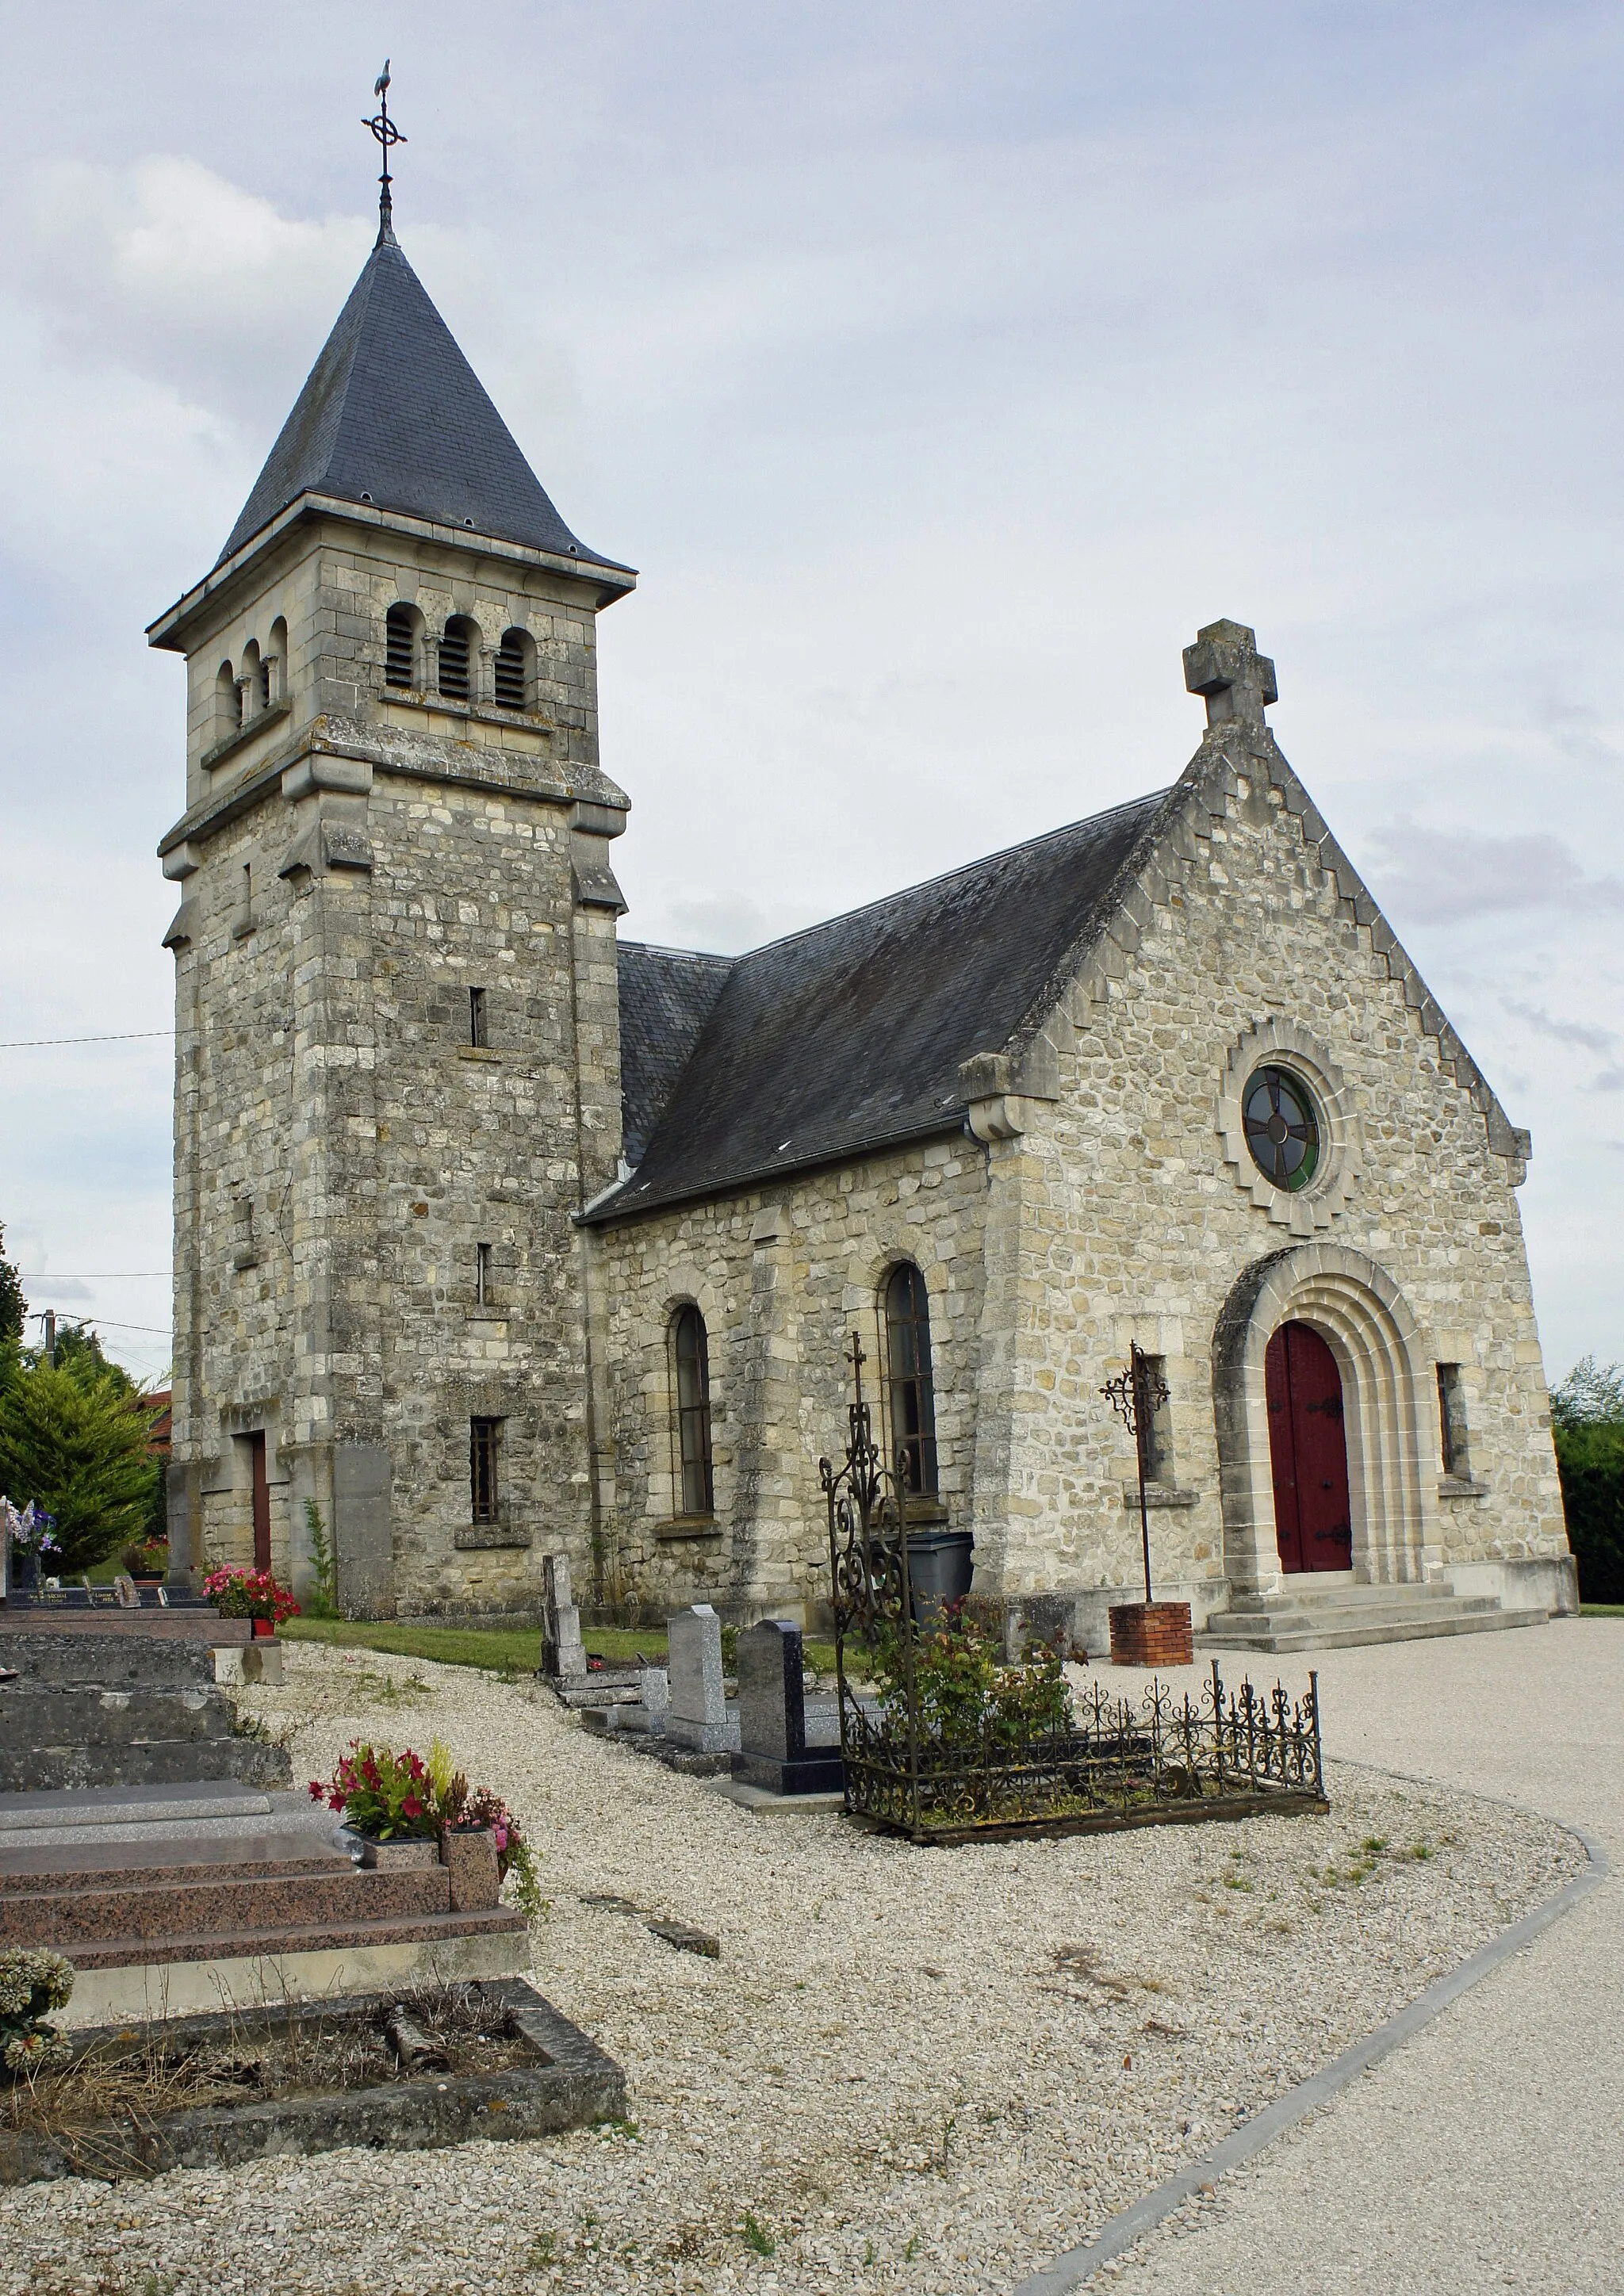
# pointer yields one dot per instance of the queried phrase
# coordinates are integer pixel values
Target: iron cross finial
(387, 134)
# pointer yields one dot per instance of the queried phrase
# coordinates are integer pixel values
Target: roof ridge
(963, 869)
(663, 949)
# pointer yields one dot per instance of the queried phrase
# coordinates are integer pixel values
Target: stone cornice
(170, 629)
(339, 745)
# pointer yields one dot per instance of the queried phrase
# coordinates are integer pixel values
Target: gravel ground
(910, 2070)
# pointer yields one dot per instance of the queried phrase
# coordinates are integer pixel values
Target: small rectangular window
(481, 1275)
(1452, 1422)
(476, 1018)
(1159, 1424)
(484, 1443)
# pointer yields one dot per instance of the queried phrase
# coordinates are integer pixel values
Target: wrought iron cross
(387, 134)
(1136, 1394)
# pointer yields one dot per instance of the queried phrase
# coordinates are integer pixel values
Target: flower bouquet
(32, 1533)
(239, 1594)
(388, 1801)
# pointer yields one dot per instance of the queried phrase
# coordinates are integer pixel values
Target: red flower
(318, 1790)
(411, 1806)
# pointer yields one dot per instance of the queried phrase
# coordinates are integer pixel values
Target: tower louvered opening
(455, 655)
(400, 647)
(513, 670)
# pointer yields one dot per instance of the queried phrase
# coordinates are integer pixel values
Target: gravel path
(1487, 2154)
(910, 2070)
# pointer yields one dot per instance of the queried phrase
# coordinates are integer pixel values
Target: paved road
(1489, 2152)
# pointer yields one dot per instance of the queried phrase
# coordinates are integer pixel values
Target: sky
(942, 368)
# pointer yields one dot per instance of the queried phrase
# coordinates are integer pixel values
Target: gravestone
(699, 1702)
(773, 1749)
(656, 1699)
(563, 1654)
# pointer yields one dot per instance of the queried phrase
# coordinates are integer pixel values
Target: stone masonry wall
(783, 1281)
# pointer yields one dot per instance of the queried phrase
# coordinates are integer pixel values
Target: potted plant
(389, 1804)
(481, 1842)
(239, 1594)
(146, 1560)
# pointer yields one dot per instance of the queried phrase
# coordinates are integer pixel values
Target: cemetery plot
(435, 2066)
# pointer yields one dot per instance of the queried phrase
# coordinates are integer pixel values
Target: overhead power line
(123, 1037)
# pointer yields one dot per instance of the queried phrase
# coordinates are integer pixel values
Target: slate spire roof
(392, 414)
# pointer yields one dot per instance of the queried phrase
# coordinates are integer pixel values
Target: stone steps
(61, 1660)
(1351, 1618)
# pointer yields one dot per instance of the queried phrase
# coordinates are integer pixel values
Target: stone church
(498, 1233)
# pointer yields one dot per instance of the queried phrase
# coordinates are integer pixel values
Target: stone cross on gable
(1224, 665)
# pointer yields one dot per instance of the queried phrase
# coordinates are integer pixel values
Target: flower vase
(469, 1854)
(265, 1629)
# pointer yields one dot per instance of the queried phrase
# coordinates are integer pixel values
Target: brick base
(1152, 1633)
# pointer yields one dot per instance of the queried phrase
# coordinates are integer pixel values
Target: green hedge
(1590, 1459)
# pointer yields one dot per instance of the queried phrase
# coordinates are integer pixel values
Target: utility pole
(51, 1335)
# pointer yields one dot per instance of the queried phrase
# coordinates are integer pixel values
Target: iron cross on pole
(387, 134)
(1136, 1394)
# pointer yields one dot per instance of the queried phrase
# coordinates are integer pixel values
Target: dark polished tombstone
(773, 1749)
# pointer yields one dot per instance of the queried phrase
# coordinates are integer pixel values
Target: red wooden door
(1308, 1452)
(262, 1503)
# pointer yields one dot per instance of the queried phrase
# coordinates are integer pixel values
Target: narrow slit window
(909, 1389)
(400, 647)
(1157, 1424)
(476, 1036)
(693, 1353)
(481, 1275)
(456, 660)
(484, 1448)
(1452, 1422)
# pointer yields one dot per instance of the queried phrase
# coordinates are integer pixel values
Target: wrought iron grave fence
(961, 1745)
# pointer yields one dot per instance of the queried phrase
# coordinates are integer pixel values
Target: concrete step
(161, 1856)
(215, 1901)
(111, 1661)
(116, 1717)
(274, 1941)
(1326, 1634)
(1289, 1617)
(161, 1762)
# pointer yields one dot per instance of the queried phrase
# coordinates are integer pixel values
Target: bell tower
(396, 1039)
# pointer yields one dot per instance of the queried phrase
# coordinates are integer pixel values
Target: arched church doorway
(1307, 1448)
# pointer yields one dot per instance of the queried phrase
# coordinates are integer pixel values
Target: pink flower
(502, 1837)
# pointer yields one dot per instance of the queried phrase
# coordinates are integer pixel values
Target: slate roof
(393, 413)
(848, 1037)
(665, 998)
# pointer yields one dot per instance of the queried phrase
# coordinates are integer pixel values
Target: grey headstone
(563, 1654)
(657, 1699)
(772, 1716)
(699, 1702)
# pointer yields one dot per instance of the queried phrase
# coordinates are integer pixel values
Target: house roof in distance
(850, 1035)
(393, 416)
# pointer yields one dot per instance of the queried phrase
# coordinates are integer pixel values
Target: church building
(499, 1235)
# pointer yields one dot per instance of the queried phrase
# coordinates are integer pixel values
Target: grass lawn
(509, 1650)
(1601, 1610)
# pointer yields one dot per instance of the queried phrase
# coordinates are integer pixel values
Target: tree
(1587, 1424)
(75, 1441)
(13, 1305)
